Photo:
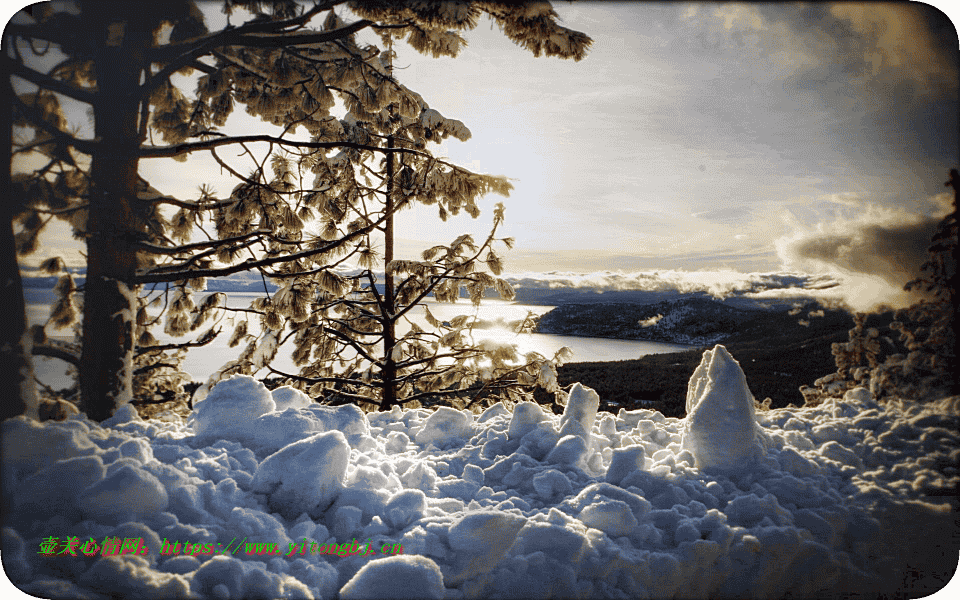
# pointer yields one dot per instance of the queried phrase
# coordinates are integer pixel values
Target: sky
(697, 135)
(753, 138)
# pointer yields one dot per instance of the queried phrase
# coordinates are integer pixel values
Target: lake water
(200, 363)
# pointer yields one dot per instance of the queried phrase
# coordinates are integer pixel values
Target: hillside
(777, 356)
(695, 320)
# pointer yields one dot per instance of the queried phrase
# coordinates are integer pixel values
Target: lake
(200, 363)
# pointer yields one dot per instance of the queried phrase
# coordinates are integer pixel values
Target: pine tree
(928, 328)
(19, 392)
(120, 59)
(927, 332)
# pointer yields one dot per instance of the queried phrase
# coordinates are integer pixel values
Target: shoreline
(618, 339)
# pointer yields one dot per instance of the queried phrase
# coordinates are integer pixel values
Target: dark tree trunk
(108, 312)
(18, 384)
(388, 373)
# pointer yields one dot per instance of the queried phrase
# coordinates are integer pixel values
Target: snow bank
(850, 497)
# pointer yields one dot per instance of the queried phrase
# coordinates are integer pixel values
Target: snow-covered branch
(187, 147)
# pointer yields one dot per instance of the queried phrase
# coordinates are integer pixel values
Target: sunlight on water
(493, 322)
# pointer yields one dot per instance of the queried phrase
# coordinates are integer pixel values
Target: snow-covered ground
(848, 499)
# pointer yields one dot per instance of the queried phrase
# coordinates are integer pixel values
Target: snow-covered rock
(721, 429)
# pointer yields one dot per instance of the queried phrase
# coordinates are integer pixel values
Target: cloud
(874, 254)
(858, 262)
(896, 42)
(718, 283)
(726, 216)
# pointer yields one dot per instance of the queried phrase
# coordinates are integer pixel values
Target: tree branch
(250, 263)
(57, 352)
(46, 81)
(324, 379)
(177, 56)
(199, 245)
(177, 150)
(35, 117)
(208, 337)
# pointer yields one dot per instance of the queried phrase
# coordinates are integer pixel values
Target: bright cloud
(874, 253)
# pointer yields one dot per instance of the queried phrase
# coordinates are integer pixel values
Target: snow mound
(287, 397)
(127, 493)
(849, 497)
(581, 409)
(481, 540)
(405, 507)
(525, 417)
(230, 409)
(397, 577)
(445, 427)
(29, 446)
(305, 476)
(721, 429)
(243, 410)
(624, 461)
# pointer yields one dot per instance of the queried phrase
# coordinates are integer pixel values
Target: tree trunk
(109, 296)
(18, 388)
(388, 373)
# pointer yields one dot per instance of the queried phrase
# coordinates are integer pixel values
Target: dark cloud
(893, 252)
(888, 71)
(873, 83)
(875, 254)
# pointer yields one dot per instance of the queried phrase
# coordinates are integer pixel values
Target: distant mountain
(555, 297)
(695, 320)
(558, 297)
(238, 282)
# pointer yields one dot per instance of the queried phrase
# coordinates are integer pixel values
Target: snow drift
(850, 497)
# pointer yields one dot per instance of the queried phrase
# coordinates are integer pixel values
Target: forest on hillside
(776, 355)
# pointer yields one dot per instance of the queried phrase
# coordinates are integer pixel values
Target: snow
(287, 397)
(420, 577)
(305, 476)
(721, 430)
(850, 497)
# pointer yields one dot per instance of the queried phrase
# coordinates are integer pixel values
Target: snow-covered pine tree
(286, 62)
(344, 325)
(928, 328)
(927, 331)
